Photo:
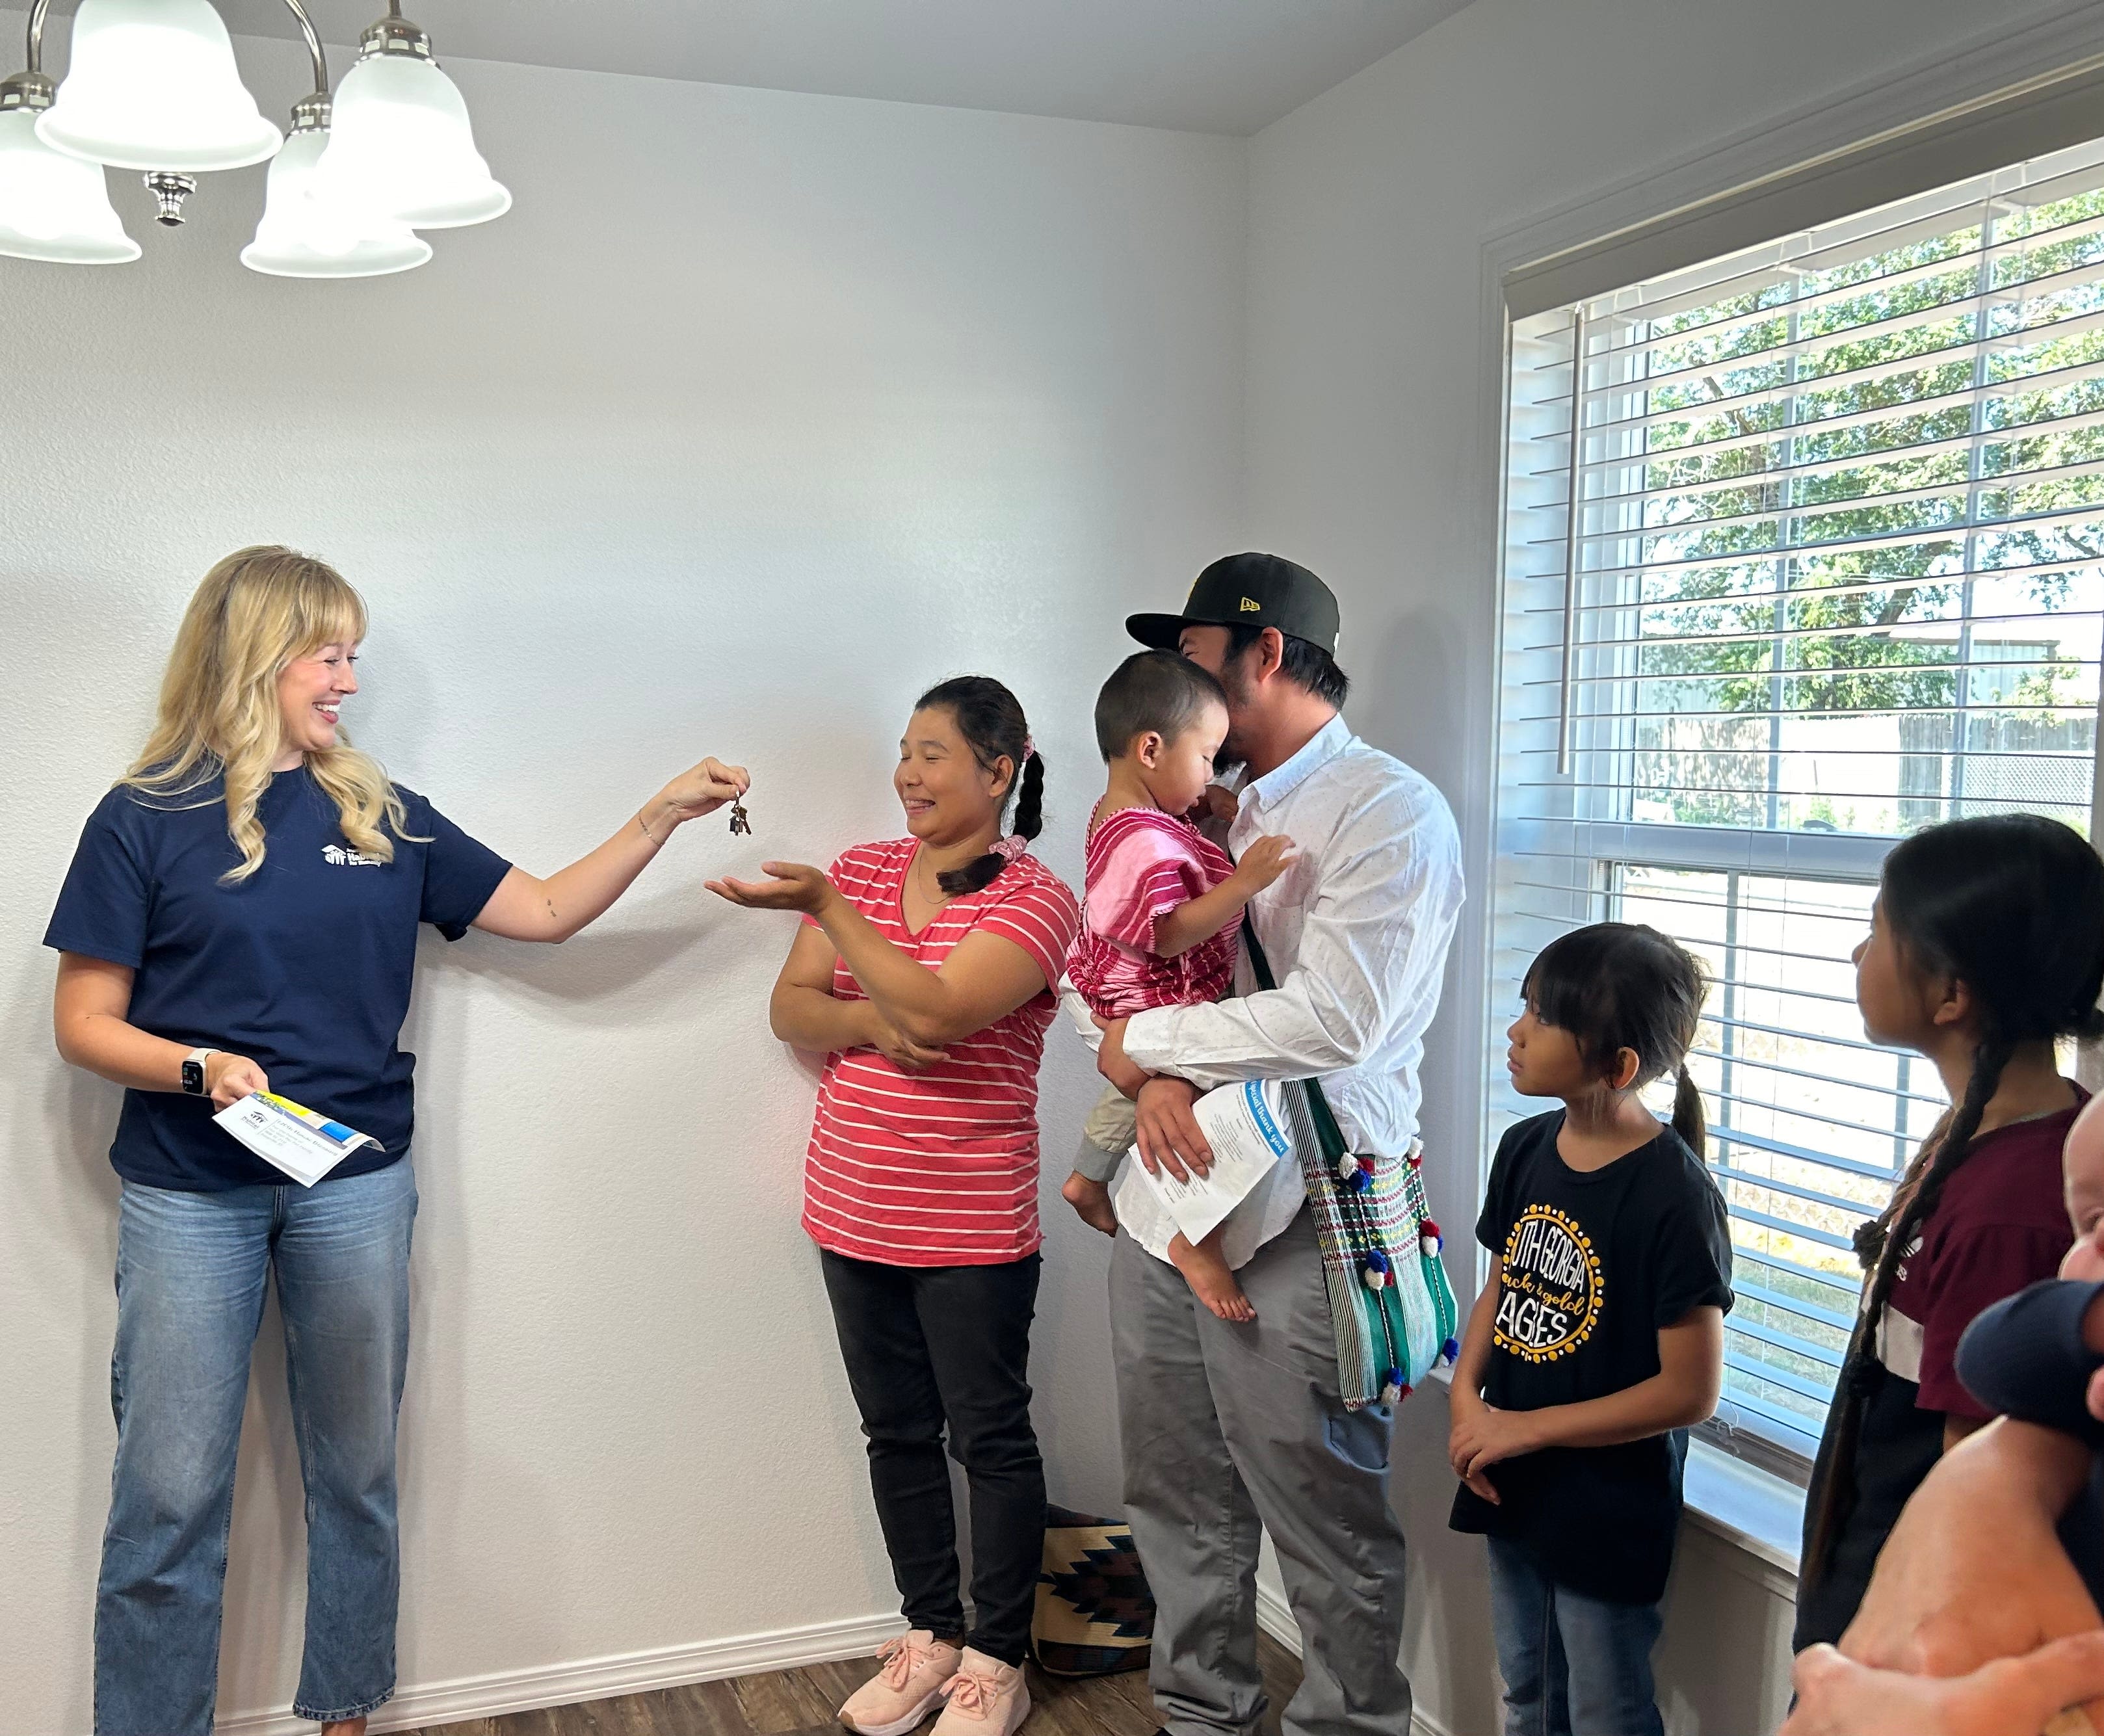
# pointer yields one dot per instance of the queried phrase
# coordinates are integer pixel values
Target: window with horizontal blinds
(1835, 572)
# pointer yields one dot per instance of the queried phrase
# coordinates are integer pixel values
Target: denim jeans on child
(1573, 1666)
(191, 1270)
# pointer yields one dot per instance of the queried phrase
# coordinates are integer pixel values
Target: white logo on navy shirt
(337, 856)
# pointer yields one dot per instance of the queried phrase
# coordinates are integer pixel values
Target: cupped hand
(1974, 1570)
(1167, 1134)
(2024, 1696)
(230, 1078)
(703, 789)
(1464, 1406)
(790, 886)
(1215, 805)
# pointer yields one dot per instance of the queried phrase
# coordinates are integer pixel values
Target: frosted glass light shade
(153, 86)
(401, 144)
(52, 206)
(305, 233)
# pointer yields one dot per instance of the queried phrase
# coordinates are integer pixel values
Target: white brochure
(289, 1136)
(1241, 1123)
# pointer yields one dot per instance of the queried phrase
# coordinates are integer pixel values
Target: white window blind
(1835, 573)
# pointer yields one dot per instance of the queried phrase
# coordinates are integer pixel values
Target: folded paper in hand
(301, 1141)
(1241, 1124)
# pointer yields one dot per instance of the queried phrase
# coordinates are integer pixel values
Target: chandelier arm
(314, 47)
(37, 8)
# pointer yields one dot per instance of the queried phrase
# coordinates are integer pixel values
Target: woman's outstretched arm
(985, 978)
(523, 907)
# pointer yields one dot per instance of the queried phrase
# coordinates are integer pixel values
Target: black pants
(931, 1346)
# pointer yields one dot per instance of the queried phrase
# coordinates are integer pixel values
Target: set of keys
(741, 823)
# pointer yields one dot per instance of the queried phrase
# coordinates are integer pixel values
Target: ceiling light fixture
(402, 141)
(154, 86)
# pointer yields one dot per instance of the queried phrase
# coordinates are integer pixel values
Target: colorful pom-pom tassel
(1417, 1160)
(1374, 1280)
(1360, 1181)
(1374, 1269)
(1347, 1168)
(1429, 1245)
(1450, 1352)
(1394, 1388)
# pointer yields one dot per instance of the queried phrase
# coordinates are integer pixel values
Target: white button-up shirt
(1356, 932)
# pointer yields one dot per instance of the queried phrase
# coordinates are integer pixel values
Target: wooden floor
(801, 1703)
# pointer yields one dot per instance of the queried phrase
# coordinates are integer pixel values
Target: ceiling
(1230, 66)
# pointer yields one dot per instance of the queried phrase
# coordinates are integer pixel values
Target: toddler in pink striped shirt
(1162, 910)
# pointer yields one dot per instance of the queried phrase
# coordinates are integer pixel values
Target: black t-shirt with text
(1595, 1264)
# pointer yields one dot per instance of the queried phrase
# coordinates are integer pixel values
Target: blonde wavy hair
(258, 611)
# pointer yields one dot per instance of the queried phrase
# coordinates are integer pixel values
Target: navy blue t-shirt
(304, 967)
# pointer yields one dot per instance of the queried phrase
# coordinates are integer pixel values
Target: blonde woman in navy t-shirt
(242, 915)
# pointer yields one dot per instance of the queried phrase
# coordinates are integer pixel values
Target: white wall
(1377, 214)
(758, 413)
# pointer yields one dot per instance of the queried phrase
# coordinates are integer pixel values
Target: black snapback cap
(1249, 591)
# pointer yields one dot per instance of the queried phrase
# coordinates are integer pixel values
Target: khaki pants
(1106, 1135)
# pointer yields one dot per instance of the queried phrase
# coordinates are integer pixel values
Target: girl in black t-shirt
(1987, 946)
(1599, 1336)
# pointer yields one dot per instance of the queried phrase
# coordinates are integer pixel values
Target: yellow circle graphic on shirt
(1549, 1289)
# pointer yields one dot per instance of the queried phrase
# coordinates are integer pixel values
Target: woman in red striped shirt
(924, 973)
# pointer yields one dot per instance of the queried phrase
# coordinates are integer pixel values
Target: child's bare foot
(347, 1727)
(1211, 1280)
(1091, 1201)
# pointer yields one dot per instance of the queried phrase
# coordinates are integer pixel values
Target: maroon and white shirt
(1141, 864)
(939, 1168)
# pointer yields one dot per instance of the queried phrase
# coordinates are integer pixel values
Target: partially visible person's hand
(1483, 1435)
(230, 1078)
(900, 1049)
(1974, 1570)
(1265, 860)
(1167, 1135)
(701, 789)
(1467, 1408)
(1215, 806)
(793, 885)
(2024, 1696)
(1113, 1063)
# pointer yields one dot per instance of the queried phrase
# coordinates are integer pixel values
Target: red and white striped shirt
(1141, 864)
(939, 1168)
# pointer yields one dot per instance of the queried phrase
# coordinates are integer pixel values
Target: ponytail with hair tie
(1691, 1121)
(990, 720)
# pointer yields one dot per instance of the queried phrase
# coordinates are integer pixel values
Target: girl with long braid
(1986, 949)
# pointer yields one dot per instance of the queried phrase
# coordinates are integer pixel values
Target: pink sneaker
(987, 1698)
(917, 1667)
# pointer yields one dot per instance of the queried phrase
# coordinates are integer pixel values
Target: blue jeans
(1573, 1666)
(190, 1275)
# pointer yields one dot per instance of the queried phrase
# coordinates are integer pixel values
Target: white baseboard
(1274, 1615)
(597, 1678)
(496, 1695)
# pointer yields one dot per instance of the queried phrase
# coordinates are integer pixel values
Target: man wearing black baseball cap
(1225, 1424)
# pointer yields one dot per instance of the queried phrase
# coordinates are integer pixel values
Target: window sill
(1758, 1513)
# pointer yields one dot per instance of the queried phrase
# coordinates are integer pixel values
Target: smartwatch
(193, 1070)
